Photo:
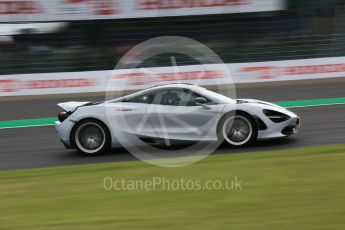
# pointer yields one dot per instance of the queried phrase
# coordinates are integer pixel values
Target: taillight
(63, 116)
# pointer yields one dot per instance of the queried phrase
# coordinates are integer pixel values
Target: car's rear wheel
(238, 129)
(91, 137)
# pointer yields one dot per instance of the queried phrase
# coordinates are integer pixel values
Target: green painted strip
(286, 104)
(27, 123)
(313, 102)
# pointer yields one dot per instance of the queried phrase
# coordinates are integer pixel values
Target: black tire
(91, 137)
(229, 139)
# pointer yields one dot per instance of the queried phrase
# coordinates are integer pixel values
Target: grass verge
(293, 189)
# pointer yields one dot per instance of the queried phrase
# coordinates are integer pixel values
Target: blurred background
(295, 30)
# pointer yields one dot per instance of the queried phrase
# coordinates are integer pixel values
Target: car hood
(254, 101)
(264, 105)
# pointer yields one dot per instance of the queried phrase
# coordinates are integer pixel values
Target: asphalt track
(40, 147)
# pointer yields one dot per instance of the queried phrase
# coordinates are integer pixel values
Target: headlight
(275, 116)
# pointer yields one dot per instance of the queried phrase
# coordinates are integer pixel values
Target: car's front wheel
(238, 129)
(91, 137)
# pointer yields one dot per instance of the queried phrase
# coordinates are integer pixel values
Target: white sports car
(180, 112)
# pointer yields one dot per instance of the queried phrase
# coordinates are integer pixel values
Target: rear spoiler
(72, 105)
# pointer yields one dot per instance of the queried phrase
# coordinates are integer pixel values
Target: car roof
(175, 85)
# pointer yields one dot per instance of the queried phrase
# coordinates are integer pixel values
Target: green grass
(292, 189)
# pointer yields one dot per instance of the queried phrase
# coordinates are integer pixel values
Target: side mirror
(200, 101)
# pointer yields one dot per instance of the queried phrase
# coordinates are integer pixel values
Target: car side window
(144, 99)
(175, 97)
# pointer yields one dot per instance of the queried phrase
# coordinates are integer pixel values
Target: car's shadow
(121, 154)
(261, 145)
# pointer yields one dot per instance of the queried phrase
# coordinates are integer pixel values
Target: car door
(175, 115)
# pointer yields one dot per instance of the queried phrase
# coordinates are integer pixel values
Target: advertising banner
(119, 80)
(64, 10)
